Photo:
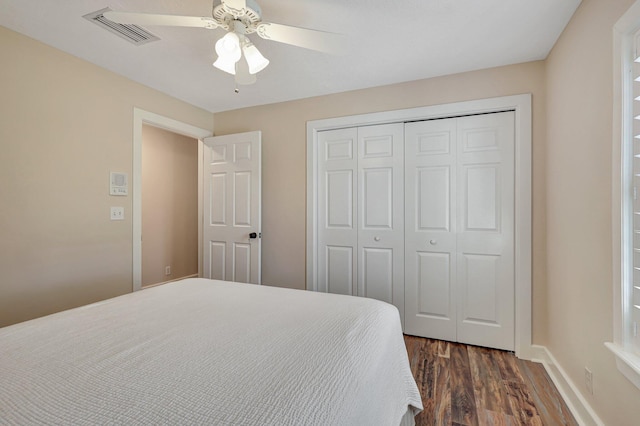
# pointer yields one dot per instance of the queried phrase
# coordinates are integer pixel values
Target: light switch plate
(117, 213)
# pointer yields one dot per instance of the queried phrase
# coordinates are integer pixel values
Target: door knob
(433, 242)
(253, 235)
(376, 238)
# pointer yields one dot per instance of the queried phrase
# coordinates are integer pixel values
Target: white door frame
(521, 104)
(141, 117)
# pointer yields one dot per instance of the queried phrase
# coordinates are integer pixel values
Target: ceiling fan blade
(153, 19)
(237, 8)
(303, 37)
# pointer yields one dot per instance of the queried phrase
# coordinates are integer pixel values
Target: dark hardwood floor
(470, 385)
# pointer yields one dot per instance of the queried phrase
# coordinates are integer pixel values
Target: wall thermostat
(118, 184)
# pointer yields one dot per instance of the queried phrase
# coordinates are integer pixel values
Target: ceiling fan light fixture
(226, 65)
(236, 54)
(243, 76)
(229, 44)
(229, 52)
(254, 58)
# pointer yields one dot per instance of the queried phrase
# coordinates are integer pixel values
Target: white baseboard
(170, 281)
(577, 404)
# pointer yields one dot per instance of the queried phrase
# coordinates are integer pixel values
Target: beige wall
(579, 239)
(64, 125)
(283, 129)
(169, 205)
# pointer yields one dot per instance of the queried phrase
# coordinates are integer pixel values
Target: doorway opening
(169, 206)
(140, 119)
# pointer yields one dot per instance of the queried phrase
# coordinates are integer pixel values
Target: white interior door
(361, 212)
(430, 239)
(459, 278)
(232, 207)
(337, 206)
(486, 227)
(381, 213)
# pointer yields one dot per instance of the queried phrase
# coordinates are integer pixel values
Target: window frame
(624, 33)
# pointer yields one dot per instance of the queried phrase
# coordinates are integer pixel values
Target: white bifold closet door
(459, 240)
(361, 212)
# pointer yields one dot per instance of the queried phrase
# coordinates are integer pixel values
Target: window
(631, 204)
(626, 195)
(630, 199)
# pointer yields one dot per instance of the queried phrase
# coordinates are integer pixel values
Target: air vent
(132, 33)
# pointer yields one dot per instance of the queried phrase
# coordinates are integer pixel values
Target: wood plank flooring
(474, 386)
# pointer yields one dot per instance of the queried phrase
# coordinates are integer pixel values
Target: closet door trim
(521, 105)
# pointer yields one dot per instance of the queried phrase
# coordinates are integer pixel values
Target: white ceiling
(389, 42)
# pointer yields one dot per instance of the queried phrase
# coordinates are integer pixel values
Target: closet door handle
(376, 238)
(433, 242)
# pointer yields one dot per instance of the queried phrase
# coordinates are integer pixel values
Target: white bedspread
(209, 352)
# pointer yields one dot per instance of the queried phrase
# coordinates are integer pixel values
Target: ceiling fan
(237, 55)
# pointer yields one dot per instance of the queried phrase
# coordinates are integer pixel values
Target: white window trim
(623, 33)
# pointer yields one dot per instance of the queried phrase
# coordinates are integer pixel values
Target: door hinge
(635, 193)
(635, 329)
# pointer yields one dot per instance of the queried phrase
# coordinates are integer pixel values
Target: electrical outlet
(588, 380)
(167, 270)
(117, 213)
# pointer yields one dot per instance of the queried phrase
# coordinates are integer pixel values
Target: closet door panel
(421, 215)
(377, 198)
(479, 299)
(485, 241)
(339, 269)
(433, 194)
(430, 226)
(377, 273)
(482, 197)
(381, 213)
(434, 284)
(339, 199)
(337, 204)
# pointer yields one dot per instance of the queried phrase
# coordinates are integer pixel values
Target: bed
(201, 351)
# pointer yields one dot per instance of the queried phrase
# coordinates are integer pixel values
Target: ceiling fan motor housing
(229, 18)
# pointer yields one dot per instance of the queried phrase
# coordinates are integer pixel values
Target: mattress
(201, 351)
